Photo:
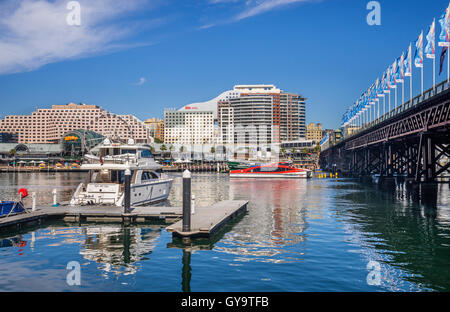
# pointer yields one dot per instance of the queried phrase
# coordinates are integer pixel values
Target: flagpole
(389, 111)
(422, 78)
(403, 91)
(434, 73)
(378, 115)
(410, 77)
(395, 98)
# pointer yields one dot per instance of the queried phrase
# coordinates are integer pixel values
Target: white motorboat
(105, 182)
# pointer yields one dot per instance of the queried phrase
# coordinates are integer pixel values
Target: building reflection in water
(277, 217)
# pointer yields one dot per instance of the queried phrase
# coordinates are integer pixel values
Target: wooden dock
(204, 223)
(208, 220)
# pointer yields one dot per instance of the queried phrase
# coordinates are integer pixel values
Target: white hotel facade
(262, 111)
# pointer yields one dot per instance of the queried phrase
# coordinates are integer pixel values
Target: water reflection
(277, 218)
(297, 235)
(118, 249)
(409, 238)
(114, 248)
(40, 182)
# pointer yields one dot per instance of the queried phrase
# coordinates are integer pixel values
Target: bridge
(410, 142)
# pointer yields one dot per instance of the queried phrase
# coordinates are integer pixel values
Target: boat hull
(145, 194)
(107, 194)
(300, 175)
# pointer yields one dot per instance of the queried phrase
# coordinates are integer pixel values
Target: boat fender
(23, 192)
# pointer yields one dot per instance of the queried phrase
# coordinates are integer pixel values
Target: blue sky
(141, 56)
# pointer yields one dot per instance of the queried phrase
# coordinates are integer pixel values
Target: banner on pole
(431, 42)
(418, 59)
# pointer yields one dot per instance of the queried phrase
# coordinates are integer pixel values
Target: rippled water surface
(298, 235)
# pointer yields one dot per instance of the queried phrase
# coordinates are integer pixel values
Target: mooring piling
(187, 201)
(33, 204)
(127, 196)
(55, 202)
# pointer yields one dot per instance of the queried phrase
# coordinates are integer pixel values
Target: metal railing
(440, 88)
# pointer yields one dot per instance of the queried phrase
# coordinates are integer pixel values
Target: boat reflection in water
(114, 248)
(277, 218)
(117, 249)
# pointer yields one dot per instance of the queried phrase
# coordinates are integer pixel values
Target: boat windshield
(128, 151)
(109, 176)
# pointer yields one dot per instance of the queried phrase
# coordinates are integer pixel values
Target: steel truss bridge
(412, 141)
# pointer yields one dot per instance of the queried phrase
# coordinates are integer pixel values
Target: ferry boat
(276, 170)
(105, 182)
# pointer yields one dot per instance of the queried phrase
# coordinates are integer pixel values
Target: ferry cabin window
(128, 151)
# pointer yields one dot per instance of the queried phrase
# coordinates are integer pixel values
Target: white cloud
(34, 33)
(262, 6)
(141, 81)
(249, 8)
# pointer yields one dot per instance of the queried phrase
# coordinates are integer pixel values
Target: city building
(330, 138)
(314, 132)
(9, 138)
(77, 143)
(188, 127)
(156, 127)
(350, 130)
(30, 154)
(260, 113)
(50, 125)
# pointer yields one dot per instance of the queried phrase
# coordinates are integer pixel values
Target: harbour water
(298, 235)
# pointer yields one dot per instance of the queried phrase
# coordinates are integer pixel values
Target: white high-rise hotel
(246, 112)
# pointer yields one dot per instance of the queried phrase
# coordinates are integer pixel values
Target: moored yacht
(105, 182)
(276, 170)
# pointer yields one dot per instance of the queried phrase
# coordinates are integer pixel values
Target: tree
(12, 152)
(317, 149)
(283, 151)
(158, 141)
(182, 149)
(304, 151)
(294, 151)
(171, 148)
(163, 148)
(213, 150)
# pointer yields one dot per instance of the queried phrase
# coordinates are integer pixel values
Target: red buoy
(23, 192)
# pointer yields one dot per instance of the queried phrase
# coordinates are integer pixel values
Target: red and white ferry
(276, 170)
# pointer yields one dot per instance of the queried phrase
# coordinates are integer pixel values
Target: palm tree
(163, 148)
(283, 151)
(181, 149)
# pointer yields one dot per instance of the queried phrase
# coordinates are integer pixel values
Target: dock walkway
(205, 222)
(208, 220)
